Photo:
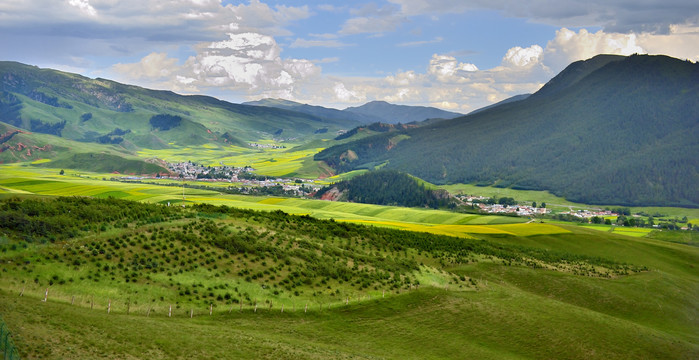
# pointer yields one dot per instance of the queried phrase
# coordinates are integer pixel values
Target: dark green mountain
(385, 187)
(104, 111)
(609, 130)
(393, 114)
(318, 111)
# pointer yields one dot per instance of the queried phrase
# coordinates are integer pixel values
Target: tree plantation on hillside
(121, 266)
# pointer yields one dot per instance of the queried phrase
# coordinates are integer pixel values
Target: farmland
(21, 179)
(292, 286)
(499, 291)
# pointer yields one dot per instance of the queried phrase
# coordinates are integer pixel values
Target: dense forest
(607, 130)
(388, 187)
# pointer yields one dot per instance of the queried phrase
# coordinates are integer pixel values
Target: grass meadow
(468, 305)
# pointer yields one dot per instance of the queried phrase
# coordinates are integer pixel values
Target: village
(242, 179)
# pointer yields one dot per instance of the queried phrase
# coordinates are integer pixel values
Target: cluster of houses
(485, 205)
(191, 171)
(266, 146)
(587, 214)
(520, 210)
(239, 175)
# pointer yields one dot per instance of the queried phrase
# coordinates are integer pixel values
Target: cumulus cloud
(523, 57)
(446, 68)
(345, 95)
(568, 46)
(245, 62)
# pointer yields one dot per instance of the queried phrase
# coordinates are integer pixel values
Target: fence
(7, 346)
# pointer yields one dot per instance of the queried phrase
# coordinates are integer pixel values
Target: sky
(456, 55)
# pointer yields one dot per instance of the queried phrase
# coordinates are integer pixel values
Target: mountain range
(608, 130)
(371, 112)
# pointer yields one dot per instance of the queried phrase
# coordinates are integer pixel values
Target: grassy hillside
(608, 130)
(18, 145)
(99, 110)
(115, 268)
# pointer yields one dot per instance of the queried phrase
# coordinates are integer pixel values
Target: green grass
(510, 311)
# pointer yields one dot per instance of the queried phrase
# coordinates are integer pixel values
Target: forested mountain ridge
(319, 111)
(393, 114)
(619, 130)
(371, 112)
(104, 111)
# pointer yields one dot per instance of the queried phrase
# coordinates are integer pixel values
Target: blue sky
(453, 54)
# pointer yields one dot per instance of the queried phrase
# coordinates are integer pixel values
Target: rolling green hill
(610, 129)
(18, 145)
(99, 110)
(134, 280)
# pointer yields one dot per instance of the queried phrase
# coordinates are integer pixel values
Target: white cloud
(523, 57)
(568, 46)
(345, 95)
(84, 6)
(245, 62)
(446, 68)
(681, 42)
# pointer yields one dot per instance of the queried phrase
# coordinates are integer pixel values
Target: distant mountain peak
(392, 113)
